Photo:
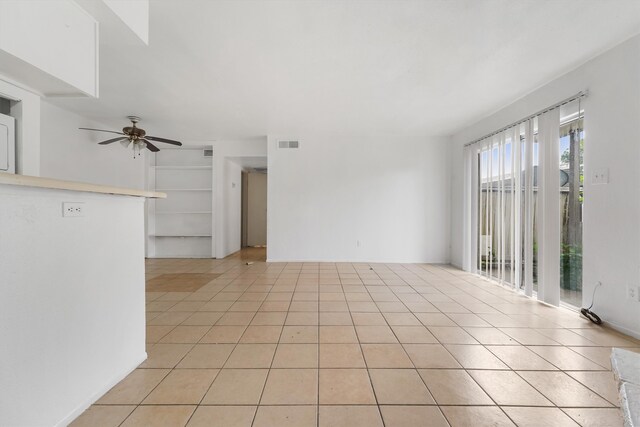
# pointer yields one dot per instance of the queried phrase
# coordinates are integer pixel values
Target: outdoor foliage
(571, 267)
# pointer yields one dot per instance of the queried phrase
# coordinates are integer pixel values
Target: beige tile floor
(323, 344)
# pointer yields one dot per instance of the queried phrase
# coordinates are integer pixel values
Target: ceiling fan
(136, 136)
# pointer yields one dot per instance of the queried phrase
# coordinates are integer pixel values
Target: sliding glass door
(497, 209)
(517, 236)
(571, 201)
(527, 206)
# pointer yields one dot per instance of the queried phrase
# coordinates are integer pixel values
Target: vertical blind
(512, 221)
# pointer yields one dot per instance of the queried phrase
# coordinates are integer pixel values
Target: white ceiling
(233, 69)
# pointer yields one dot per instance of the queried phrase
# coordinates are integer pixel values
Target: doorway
(254, 208)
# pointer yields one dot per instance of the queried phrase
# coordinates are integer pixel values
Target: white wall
(611, 235)
(390, 194)
(71, 301)
(227, 218)
(72, 154)
(256, 209)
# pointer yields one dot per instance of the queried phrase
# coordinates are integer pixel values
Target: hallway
(322, 344)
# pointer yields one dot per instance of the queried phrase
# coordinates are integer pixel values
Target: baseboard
(358, 261)
(232, 253)
(622, 329)
(98, 394)
(605, 323)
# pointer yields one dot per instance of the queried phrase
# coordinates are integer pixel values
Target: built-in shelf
(181, 167)
(185, 213)
(185, 189)
(181, 226)
(178, 235)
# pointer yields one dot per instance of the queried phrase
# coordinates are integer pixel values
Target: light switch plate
(600, 176)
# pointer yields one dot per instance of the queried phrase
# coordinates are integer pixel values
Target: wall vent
(208, 152)
(288, 144)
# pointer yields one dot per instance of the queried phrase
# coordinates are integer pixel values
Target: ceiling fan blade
(166, 141)
(109, 141)
(151, 147)
(102, 130)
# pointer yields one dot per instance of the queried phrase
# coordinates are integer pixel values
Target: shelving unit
(183, 189)
(181, 225)
(179, 213)
(181, 167)
(178, 235)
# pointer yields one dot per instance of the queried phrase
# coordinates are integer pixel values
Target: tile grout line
(275, 351)
(237, 273)
(375, 395)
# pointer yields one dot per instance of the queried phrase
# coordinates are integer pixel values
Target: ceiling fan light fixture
(137, 148)
(135, 137)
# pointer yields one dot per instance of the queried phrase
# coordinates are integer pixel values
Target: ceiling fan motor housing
(133, 131)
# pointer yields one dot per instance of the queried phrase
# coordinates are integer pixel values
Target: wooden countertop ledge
(57, 184)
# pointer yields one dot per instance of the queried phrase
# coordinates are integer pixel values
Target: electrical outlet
(633, 292)
(72, 209)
